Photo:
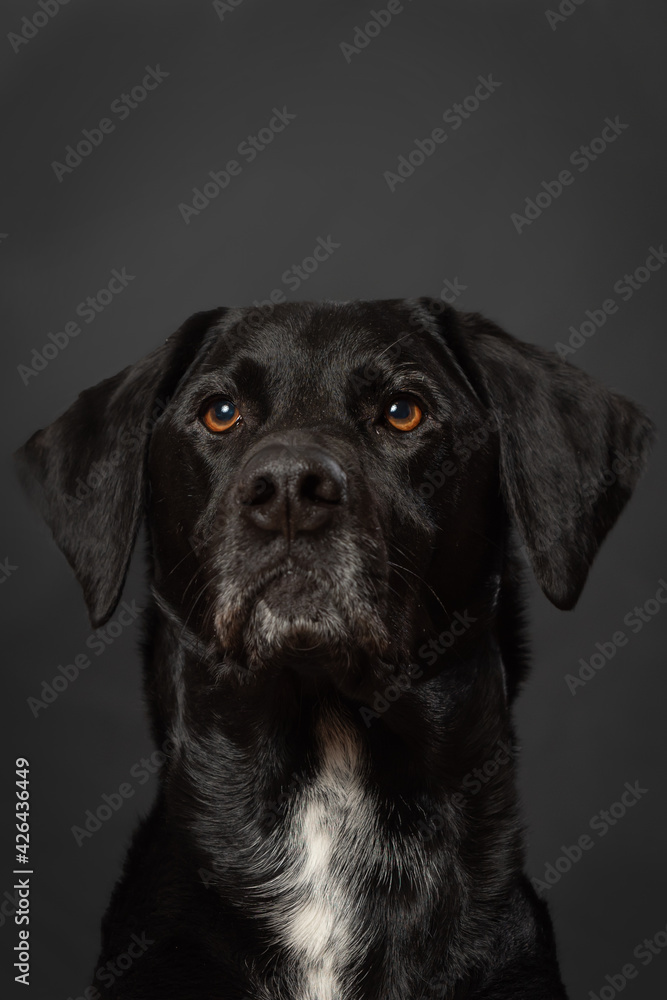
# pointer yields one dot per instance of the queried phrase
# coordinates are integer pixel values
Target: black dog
(335, 639)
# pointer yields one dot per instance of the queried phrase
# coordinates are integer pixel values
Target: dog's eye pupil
(224, 410)
(401, 410)
(403, 414)
(220, 415)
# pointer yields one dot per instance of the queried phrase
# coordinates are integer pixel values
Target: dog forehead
(320, 343)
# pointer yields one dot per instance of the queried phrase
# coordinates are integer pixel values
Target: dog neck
(346, 837)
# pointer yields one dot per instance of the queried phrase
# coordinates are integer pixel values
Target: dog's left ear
(86, 471)
(571, 451)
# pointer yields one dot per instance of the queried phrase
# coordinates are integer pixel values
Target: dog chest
(331, 851)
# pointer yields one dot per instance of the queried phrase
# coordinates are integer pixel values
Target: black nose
(291, 489)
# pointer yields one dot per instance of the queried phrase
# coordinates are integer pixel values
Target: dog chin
(273, 633)
(296, 622)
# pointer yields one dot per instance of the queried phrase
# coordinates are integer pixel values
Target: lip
(288, 592)
(236, 611)
(289, 580)
(277, 569)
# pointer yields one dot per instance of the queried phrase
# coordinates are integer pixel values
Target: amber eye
(220, 415)
(403, 414)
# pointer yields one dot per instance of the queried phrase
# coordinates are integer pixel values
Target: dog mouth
(292, 614)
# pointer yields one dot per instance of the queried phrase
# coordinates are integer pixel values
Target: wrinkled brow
(380, 375)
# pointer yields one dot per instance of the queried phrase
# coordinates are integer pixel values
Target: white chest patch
(332, 847)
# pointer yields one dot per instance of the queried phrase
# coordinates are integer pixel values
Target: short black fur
(334, 600)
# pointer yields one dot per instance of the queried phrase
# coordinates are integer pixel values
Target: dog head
(325, 485)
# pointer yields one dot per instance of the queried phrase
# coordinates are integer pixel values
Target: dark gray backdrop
(322, 176)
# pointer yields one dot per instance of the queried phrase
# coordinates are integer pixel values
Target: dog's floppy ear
(87, 469)
(571, 451)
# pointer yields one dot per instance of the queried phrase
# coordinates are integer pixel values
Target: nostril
(320, 489)
(259, 490)
(290, 490)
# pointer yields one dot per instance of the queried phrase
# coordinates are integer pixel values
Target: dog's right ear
(86, 470)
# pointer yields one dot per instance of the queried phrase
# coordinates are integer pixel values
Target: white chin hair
(269, 632)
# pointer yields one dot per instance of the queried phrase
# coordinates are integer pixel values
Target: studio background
(448, 225)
